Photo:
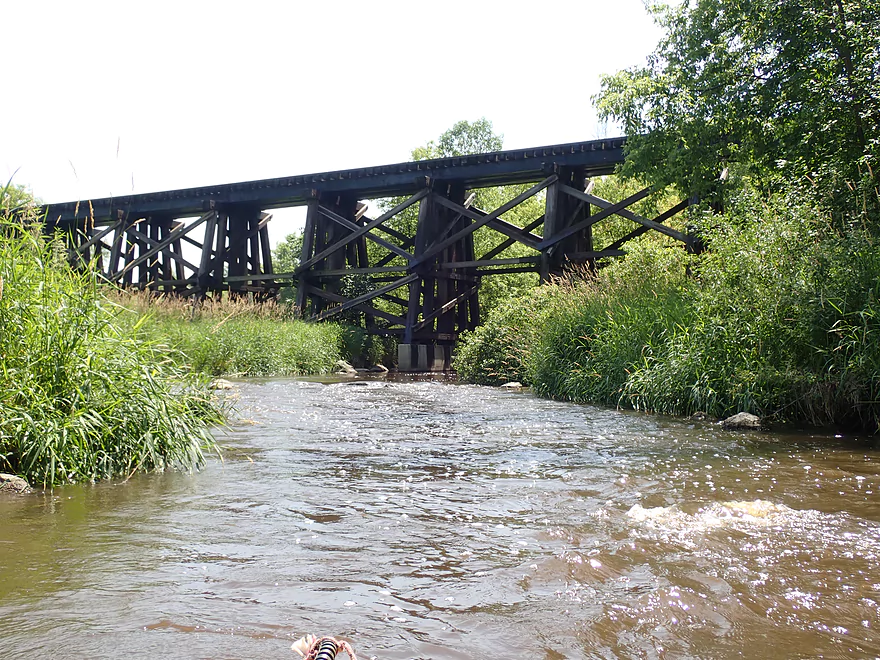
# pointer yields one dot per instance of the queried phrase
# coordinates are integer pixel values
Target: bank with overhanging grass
(81, 399)
(98, 383)
(779, 317)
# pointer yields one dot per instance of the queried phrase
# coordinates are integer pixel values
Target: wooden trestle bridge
(138, 240)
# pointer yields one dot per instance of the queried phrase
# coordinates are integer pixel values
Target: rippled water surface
(430, 520)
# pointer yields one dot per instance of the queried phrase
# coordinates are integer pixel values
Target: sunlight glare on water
(429, 520)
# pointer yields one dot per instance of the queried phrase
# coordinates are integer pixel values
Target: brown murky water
(428, 520)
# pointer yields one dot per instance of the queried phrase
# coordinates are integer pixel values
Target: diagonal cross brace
(619, 209)
(498, 249)
(173, 236)
(364, 307)
(444, 308)
(663, 217)
(97, 237)
(152, 241)
(375, 293)
(509, 230)
(435, 249)
(363, 230)
(593, 219)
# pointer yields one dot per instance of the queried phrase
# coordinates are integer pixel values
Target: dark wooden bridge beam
(479, 170)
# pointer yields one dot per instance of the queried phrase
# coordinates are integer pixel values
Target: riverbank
(779, 317)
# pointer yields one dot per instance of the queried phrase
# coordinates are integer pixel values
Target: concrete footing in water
(424, 357)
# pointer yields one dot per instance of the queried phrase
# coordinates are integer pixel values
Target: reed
(81, 399)
(235, 337)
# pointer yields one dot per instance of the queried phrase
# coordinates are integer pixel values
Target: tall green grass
(780, 318)
(235, 337)
(80, 398)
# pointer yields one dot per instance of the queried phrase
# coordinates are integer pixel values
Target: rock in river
(9, 483)
(742, 421)
(221, 384)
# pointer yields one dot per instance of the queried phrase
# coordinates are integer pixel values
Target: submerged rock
(742, 421)
(512, 385)
(698, 416)
(9, 483)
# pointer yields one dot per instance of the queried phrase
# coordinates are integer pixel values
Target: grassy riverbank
(234, 337)
(780, 317)
(80, 398)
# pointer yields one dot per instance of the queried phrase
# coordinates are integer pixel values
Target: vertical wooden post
(266, 248)
(178, 267)
(116, 250)
(204, 275)
(551, 222)
(449, 288)
(417, 287)
(127, 258)
(254, 231)
(308, 251)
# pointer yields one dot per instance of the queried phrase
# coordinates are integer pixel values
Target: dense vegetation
(80, 399)
(770, 113)
(781, 318)
(234, 337)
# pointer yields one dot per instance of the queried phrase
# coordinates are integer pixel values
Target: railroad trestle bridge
(429, 279)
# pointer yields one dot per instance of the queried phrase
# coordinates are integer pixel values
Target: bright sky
(129, 96)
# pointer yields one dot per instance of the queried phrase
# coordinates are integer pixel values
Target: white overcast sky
(129, 96)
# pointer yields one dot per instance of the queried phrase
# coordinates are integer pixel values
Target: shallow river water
(429, 520)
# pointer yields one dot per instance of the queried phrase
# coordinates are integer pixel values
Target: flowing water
(430, 520)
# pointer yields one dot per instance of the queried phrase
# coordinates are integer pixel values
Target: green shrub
(500, 350)
(779, 317)
(604, 327)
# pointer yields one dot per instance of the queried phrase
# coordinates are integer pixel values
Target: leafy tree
(14, 196)
(285, 259)
(784, 88)
(286, 255)
(463, 139)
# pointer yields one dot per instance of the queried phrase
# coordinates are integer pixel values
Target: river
(423, 519)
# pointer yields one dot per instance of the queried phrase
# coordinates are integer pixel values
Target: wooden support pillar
(551, 227)
(153, 232)
(308, 251)
(266, 251)
(204, 275)
(449, 289)
(176, 245)
(416, 288)
(128, 257)
(561, 212)
(243, 251)
(116, 249)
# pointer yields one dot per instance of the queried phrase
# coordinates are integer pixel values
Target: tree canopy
(463, 139)
(788, 88)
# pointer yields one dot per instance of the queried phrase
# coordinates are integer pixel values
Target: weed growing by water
(235, 337)
(81, 399)
(780, 318)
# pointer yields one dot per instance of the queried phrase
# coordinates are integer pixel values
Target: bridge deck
(598, 157)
